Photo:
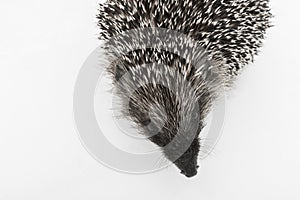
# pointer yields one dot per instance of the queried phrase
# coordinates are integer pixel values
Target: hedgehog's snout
(188, 162)
(190, 171)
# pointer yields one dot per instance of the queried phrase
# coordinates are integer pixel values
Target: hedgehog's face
(187, 160)
(169, 109)
(163, 117)
(187, 163)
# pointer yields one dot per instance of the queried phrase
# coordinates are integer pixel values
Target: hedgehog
(170, 59)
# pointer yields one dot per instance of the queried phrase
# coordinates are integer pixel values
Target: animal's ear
(118, 71)
(140, 117)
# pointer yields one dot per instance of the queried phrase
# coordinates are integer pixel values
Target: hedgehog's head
(170, 112)
(169, 123)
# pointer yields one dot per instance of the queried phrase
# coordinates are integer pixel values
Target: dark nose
(190, 172)
(189, 175)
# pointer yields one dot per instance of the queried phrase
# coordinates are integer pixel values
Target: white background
(42, 47)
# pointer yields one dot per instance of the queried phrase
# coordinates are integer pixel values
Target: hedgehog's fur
(231, 31)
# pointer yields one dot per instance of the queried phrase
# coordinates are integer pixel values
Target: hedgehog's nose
(190, 172)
